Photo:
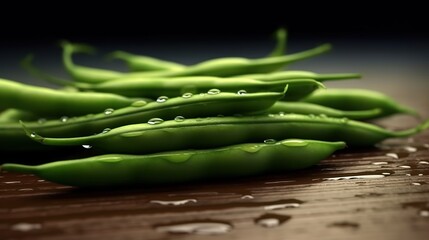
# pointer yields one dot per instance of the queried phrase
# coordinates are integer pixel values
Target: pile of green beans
(165, 122)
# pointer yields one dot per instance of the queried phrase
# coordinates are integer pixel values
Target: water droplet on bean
(344, 120)
(41, 120)
(179, 119)
(154, 121)
(162, 99)
(64, 119)
(187, 95)
(213, 91)
(86, 146)
(270, 141)
(295, 143)
(33, 135)
(242, 92)
(108, 111)
(251, 148)
(106, 130)
(139, 103)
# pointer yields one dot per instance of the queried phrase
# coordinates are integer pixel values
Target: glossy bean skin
(314, 109)
(14, 115)
(183, 166)
(153, 88)
(283, 75)
(141, 63)
(49, 102)
(12, 136)
(223, 67)
(358, 99)
(201, 133)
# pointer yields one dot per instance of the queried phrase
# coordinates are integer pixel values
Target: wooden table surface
(377, 193)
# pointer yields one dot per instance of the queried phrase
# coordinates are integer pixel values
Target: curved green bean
(12, 136)
(223, 67)
(140, 63)
(184, 166)
(275, 76)
(14, 115)
(49, 102)
(281, 41)
(282, 107)
(158, 135)
(358, 99)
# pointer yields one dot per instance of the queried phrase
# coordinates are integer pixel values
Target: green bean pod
(12, 136)
(49, 102)
(159, 136)
(140, 63)
(183, 166)
(153, 88)
(310, 108)
(223, 67)
(358, 99)
(14, 115)
(281, 43)
(275, 76)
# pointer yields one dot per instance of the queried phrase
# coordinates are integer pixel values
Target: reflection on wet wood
(381, 192)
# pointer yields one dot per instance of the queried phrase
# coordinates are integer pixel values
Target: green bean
(183, 166)
(223, 67)
(281, 39)
(358, 99)
(275, 76)
(12, 136)
(14, 115)
(158, 135)
(49, 102)
(310, 108)
(140, 63)
(155, 87)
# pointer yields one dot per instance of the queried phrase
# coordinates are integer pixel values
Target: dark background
(209, 21)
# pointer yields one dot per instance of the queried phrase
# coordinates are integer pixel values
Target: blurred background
(389, 46)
